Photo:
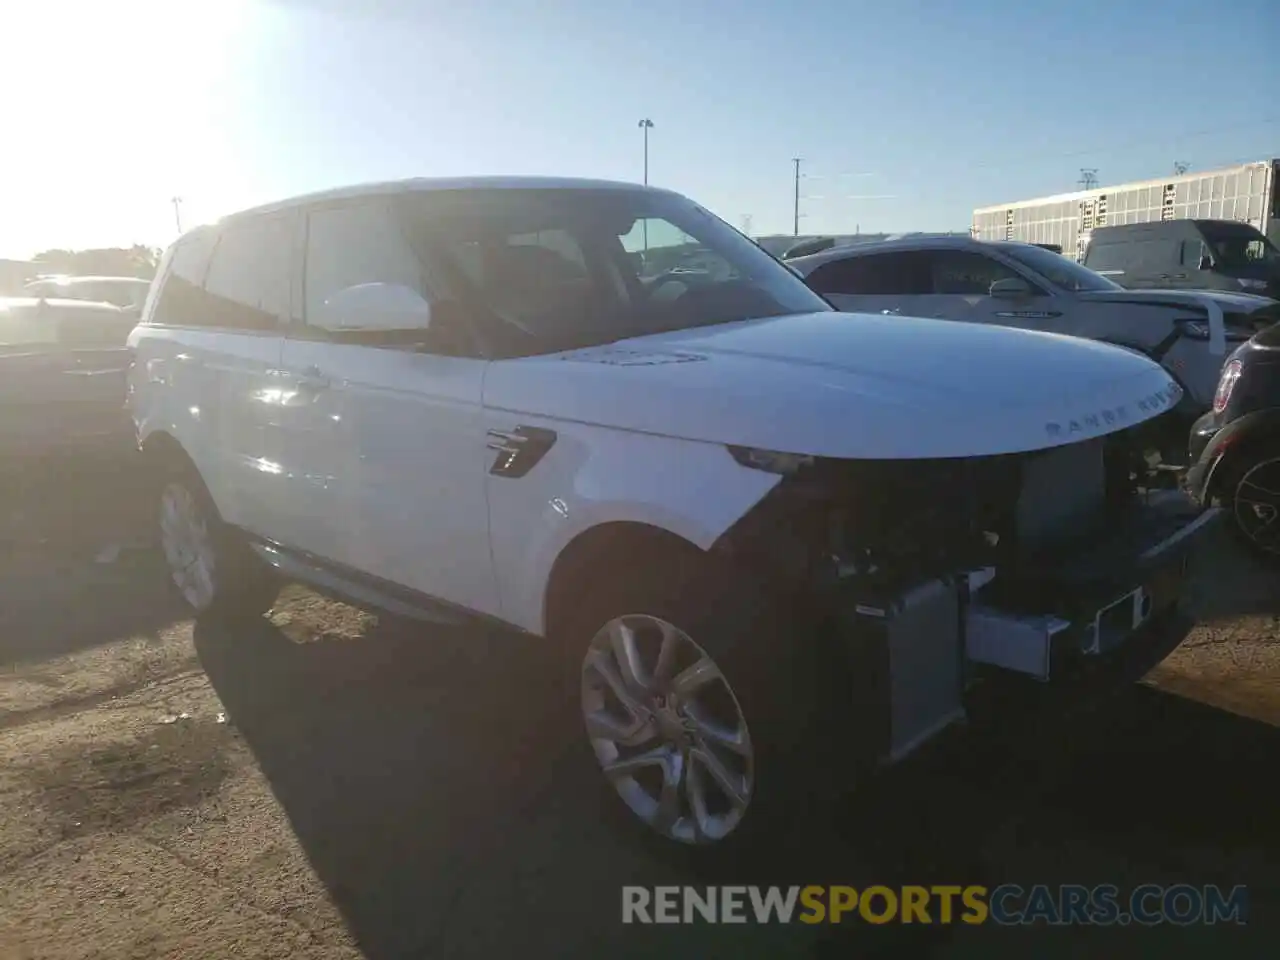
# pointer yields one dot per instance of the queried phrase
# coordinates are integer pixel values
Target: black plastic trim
(519, 450)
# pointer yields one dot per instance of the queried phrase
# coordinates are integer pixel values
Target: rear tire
(1252, 494)
(718, 746)
(213, 568)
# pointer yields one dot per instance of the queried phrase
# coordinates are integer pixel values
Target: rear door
(232, 350)
(886, 283)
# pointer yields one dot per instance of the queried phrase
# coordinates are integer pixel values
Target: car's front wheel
(706, 710)
(1255, 505)
(212, 568)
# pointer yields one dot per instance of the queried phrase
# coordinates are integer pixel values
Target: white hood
(846, 385)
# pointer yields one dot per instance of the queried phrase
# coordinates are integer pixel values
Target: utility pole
(1181, 166)
(1088, 177)
(746, 224)
(177, 213)
(796, 208)
(646, 125)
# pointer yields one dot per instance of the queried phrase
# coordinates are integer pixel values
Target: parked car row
(1024, 285)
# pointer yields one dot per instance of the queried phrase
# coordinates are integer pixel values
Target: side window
(351, 245)
(964, 273)
(1191, 253)
(656, 246)
(248, 283)
(180, 298)
(1106, 256)
(880, 274)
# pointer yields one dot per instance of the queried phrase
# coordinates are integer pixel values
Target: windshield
(548, 270)
(1239, 248)
(1059, 270)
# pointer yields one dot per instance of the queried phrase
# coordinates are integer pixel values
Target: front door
(384, 439)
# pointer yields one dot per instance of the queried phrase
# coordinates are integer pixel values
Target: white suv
(750, 526)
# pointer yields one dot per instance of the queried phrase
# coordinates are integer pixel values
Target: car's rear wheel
(1255, 505)
(706, 710)
(211, 566)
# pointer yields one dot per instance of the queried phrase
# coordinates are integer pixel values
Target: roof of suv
(417, 184)
(907, 243)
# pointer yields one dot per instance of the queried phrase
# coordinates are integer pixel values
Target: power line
(1112, 148)
(1088, 178)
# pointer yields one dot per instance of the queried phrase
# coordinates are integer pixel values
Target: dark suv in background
(1235, 447)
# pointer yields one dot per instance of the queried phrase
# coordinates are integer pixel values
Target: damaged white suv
(749, 525)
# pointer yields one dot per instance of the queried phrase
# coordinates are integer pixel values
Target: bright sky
(908, 113)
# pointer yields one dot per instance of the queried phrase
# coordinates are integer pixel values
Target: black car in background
(63, 370)
(1235, 447)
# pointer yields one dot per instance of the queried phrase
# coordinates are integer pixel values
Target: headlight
(1252, 284)
(771, 461)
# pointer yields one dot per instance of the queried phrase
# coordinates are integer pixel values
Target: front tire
(704, 706)
(1254, 500)
(213, 569)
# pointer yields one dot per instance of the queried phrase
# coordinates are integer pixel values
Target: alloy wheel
(187, 544)
(1257, 505)
(667, 729)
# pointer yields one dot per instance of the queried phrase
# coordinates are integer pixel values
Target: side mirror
(1206, 262)
(375, 307)
(1010, 288)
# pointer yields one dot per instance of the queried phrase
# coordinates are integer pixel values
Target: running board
(323, 580)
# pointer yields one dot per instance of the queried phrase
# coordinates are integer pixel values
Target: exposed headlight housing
(771, 461)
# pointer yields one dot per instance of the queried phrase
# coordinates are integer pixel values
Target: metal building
(1249, 192)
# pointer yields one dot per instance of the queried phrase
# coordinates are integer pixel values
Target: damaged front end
(931, 574)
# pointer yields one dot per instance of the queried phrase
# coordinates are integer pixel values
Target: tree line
(135, 261)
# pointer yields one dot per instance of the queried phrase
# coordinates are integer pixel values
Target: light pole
(646, 125)
(796, 207)
(177, 213)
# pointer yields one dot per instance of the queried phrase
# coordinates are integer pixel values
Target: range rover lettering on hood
(1118, 415)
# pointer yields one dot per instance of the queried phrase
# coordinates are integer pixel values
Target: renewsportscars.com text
(1008, 904)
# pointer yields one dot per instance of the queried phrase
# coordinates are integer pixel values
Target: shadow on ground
(426, 774)
(76, 568)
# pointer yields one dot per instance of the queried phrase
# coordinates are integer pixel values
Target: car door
(961, 282)
(884, 283)
(239, 316)
(383, 434)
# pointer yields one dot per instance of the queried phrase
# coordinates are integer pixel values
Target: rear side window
(880, 274)
(180, 299)
(247, 287)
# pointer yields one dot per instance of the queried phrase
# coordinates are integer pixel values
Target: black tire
(241, 584)
(785, 682)
(1237, 489)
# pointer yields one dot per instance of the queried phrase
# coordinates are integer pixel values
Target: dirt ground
(327, 784)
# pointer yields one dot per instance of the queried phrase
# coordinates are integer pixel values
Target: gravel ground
(327, 784)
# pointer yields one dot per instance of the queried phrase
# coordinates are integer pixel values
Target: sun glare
(119, 112)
